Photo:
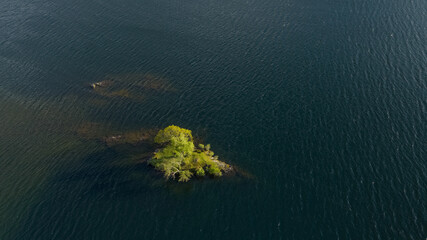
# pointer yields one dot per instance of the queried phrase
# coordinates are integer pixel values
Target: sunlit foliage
(179, 158)
(165, 135)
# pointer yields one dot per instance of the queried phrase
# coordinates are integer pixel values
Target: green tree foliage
(165, 135)
(214, 170)
(179, 158)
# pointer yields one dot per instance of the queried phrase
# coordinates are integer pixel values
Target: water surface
(323, 102)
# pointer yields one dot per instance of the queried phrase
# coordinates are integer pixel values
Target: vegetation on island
(172, 151)
(180, 158)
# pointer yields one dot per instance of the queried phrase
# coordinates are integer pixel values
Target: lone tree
(179, 158)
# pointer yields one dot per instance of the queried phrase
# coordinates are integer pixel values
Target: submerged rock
(131, 137)
(104, 83)
(131, 86)
(93, 130)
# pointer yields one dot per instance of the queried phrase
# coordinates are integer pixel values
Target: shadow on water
(115, 177)
(122, 171)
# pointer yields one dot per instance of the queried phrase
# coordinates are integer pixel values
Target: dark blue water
(322, 103)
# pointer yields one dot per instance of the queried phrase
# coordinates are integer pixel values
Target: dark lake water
(323, 103)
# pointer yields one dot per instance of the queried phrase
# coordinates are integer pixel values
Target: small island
(178, 157)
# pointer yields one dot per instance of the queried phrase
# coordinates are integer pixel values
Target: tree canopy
(166, 135)
(179, 158)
